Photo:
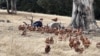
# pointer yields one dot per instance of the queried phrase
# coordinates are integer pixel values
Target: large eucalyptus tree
(83, 15)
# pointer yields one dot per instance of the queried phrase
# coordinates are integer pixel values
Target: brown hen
(47, 49)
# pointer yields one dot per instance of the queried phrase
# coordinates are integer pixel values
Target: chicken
(21, 27)
(62, 31)
(71, 39)
(74, 42)
(46, 29)
(51, 40)
(71, 42)
(60, 38)
(78, 32)
(74, 31)
(65, 37)
(30, 28)
(42, 32)
(24, 32)
(56, 32)
(38, 29)
(47, 49)
(86, 43)
(98, 45)
(69, 34)
(80, 50)
(77, 40)
(47, 41)
(82, 38)
(69, 31)
(50, 30)
(80, 29)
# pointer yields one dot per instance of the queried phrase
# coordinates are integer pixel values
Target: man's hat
(55, 19)
(41, 18)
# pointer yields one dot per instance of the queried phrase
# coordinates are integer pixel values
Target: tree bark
(8, 10)
(13, 6)
(15, 1)
(83, 15)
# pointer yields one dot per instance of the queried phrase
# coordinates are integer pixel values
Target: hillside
(13, 44)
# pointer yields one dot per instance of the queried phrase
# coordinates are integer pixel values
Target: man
(38, 23)
(54, 24)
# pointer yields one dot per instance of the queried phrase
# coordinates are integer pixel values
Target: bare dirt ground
(13, 44)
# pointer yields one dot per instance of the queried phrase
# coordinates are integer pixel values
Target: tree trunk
(83, 15)
(15, 9)
(8, 10)
(13, 6)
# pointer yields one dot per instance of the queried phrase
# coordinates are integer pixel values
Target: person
(38, 23)
(54, 24)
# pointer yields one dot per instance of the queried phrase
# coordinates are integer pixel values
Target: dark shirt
(37, 24)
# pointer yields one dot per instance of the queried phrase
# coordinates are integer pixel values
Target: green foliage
(62, 7)
(29, 5)
(97, 9)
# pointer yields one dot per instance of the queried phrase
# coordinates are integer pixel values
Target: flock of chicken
(77, 40)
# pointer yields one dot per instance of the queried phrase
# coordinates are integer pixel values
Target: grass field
(13, 44)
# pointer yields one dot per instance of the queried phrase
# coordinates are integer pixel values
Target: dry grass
(13, 44)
